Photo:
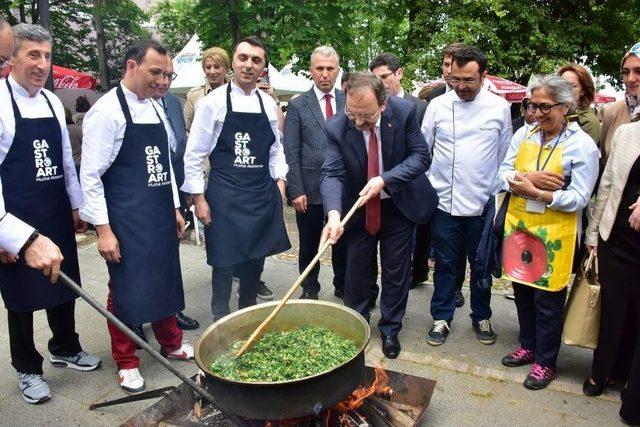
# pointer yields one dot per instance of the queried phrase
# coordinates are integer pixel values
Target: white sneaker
(185, 352)
(131, 381)
(33, 387)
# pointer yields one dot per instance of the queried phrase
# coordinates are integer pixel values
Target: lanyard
(555, 144)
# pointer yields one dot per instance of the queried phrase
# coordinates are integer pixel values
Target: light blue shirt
(580, 161)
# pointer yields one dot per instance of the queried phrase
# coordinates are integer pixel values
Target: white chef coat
(320, 95)
(103, 130)
(207, 126)
(14, 232)
(468, 140)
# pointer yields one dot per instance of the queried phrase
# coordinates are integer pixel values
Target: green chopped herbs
(282, 356)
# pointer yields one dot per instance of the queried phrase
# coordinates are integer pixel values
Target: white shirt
(468, 140)
(207, 126)
(322, 100)
(580, 161)
(14, 232)
(102, 134)
(367, 135)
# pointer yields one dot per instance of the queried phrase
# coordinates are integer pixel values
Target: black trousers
(395, 256)
(617, 356)
(64, 342)
(222, 280)
(422, 250)
(310, 225)
(541, 316)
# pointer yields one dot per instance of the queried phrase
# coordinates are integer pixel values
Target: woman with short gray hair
(549, 171)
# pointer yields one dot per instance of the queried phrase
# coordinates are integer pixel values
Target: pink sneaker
(539, 377)
(520, 357)
(185, 352)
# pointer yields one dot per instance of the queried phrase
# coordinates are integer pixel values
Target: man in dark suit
(304, 143)
(177, 144)
(375, 150)
(387, 67)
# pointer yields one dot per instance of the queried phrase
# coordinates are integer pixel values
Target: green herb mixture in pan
(282, 356)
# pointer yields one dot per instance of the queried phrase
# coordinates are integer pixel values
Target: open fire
(392, 399)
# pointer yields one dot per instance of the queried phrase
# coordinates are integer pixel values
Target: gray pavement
(473, 388)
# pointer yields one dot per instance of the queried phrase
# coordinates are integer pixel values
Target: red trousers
(123, 349)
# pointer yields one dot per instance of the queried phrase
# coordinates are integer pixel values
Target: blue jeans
(222, 280)
(450, 235)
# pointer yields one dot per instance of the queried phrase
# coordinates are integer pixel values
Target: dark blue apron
(245, 203)
(34, 190)
(147, 282)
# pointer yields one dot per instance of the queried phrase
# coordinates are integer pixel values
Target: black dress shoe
(185, 322)
(592, 390)
(418, 281)
(459, 298)
(390, 346)
(137, 329)
(308, 295)
(372, 301)
(339, 293)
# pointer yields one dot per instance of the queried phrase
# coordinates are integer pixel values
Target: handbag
(498, 233)
(582, 312)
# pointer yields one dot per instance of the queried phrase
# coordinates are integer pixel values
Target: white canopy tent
(187, 65)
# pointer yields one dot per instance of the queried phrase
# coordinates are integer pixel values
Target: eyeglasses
(362, 116)
(170, 76)
(454, 81)
(544, 108)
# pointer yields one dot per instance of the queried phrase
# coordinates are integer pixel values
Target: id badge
(535, 206)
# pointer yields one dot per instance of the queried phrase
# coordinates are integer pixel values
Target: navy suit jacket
(173, 109)
(405, 156)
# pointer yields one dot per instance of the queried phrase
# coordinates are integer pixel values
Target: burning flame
(380, 386)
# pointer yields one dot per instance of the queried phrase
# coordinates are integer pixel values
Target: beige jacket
(193, 96)
(625, 149)
(614, 115)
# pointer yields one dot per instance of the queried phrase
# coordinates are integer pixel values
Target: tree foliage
(523, 37)
(74, 42)
(520, 37)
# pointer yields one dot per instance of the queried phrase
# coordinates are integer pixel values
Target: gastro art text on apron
(45, 169)
(244, 159)
(157, 175)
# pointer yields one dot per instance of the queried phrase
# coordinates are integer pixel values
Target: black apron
(147, 282)
(246, 208)
(34, 191)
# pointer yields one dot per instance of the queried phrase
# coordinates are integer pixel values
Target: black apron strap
(16, 110)
(48, 103)
(123, 104)
(229, 108)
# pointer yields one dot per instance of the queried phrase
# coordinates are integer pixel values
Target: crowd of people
(424, 173)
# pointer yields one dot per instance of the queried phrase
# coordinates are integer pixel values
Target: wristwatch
(29, 241)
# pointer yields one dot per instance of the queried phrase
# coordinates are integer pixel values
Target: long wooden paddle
(263, 326)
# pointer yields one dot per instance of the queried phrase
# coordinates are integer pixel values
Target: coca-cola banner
(65, 78)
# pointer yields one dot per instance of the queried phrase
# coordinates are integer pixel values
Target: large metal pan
(285, 399)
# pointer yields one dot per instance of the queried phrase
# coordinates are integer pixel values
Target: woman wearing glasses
(550, 171)
(583, 93)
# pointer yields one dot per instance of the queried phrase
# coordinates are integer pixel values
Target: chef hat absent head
(635, 51)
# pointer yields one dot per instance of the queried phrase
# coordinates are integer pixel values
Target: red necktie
(373, 205)
(328, 109)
